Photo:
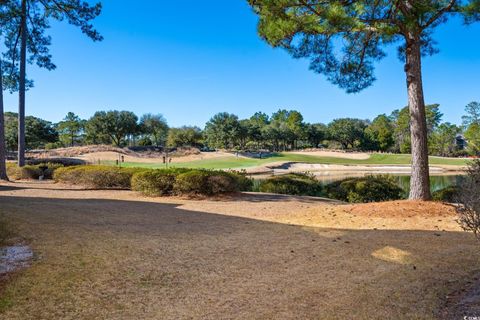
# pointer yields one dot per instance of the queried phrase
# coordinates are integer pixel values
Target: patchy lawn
(115, 255)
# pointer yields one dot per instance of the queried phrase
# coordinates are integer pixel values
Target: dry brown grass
(78, 151)
(115, 255)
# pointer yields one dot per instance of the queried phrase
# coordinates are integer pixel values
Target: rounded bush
(292, 184)
(202, 182)
(365, 189)
(448, 194)
(154, 183)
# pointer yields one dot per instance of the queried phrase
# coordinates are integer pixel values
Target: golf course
(239, 159)
(240, 162)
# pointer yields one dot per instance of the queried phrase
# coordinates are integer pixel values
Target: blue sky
(191, 59)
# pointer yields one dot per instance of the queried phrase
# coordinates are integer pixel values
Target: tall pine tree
(344, 38)
(33, 21)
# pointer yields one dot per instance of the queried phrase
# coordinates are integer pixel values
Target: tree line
(118, 128)
(284, 130)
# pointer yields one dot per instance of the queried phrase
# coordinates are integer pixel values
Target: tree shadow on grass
(41, 185)
(9, 187)
(182, 263)
(272, 197)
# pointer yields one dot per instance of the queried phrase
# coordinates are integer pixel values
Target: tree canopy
(70, 129)
(155, 127)
(343, 39)
(116, 125)
(39, 132)
(260, 132)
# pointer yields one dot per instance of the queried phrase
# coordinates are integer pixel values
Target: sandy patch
(113, 156)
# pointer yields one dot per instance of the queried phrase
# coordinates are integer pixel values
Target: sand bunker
(335, 154)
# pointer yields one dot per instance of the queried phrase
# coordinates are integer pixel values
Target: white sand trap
(335, 154)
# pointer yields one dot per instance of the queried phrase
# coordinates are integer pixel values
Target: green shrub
(49, 169)
(293, 184)
(24, 173)
(205, 182)
(97, 177)
(156, 182)
(32, 172)
(243, 182)
(448, 194)
(365, 189)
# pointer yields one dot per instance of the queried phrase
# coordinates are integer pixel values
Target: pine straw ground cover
(115, 255)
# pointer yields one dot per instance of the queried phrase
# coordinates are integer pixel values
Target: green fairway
(241, 163)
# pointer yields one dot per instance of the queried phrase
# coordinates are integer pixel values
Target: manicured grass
(241, 163)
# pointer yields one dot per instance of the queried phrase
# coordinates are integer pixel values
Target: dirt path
(115, 255)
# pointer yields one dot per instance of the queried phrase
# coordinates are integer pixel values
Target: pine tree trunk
(21, 89)
(3, 147)
(420, 181)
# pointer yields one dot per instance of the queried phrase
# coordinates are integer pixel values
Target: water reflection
(437, 182)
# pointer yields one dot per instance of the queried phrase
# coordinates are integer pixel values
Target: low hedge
(365, 189)
(161, 182)
(189, 182)
(448, 194)
(292, 184)
(32, 172)
(97, 177)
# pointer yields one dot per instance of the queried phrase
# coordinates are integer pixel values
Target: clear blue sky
(191, 59)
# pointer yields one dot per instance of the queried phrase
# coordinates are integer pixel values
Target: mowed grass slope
(242, 162)
(114, 255)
